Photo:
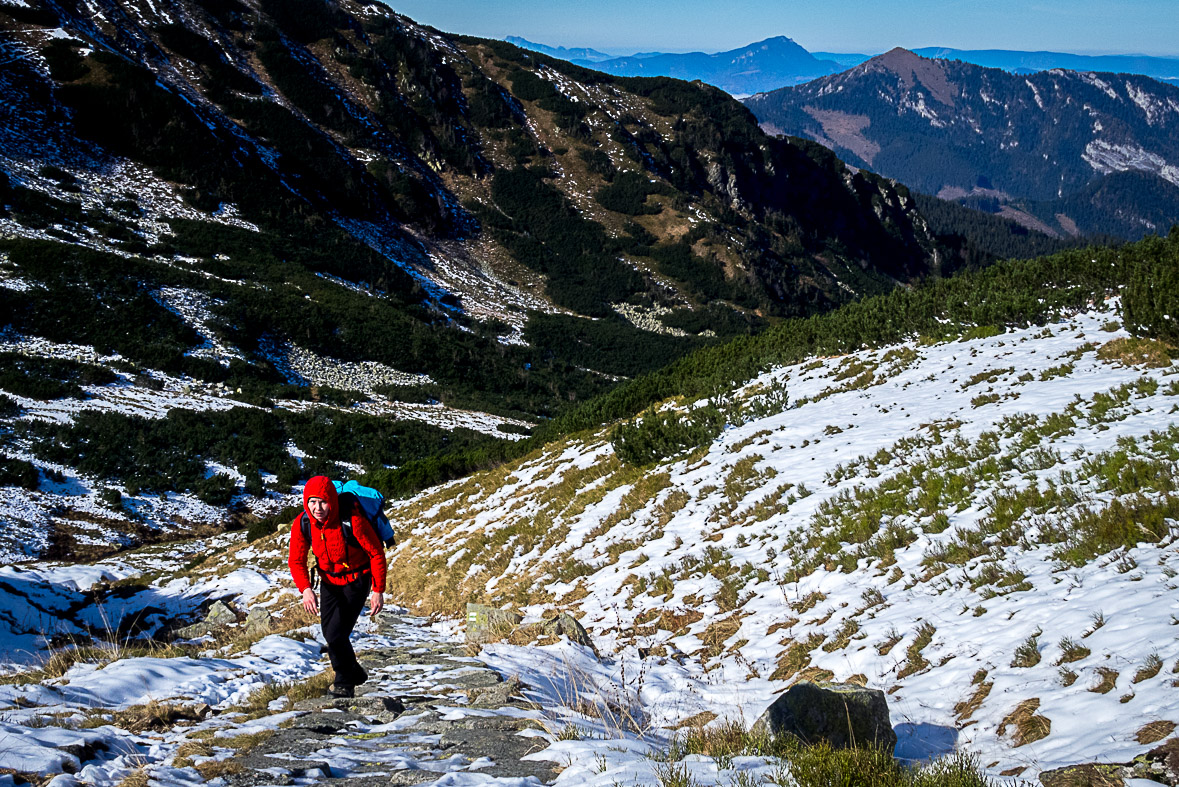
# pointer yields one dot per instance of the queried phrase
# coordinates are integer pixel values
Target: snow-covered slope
(982, 528)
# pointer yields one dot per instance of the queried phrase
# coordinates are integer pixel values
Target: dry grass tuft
(965, 709)
(244, 743)
(1028, 727)
(1070, 651)
(257, 704)
(154, 715)
(697, 721)
(315, 686)
(1027, 654)
(814, 675)
(1150, 353)
(886, 646)
(137, 778)
(214, 769)
(915, 662)
(1108, 680)
(1151, 668)
(796, 657)
(188, 751)
(1154, 731)
(673, 620)
(719, 632)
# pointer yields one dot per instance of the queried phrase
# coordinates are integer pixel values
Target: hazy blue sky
(625, 26)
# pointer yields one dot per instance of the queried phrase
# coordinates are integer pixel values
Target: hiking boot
(342, 690)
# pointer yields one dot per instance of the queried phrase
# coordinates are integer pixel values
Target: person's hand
(376, 603)
(309, 602)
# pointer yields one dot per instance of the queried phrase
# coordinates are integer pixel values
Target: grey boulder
(841, 714)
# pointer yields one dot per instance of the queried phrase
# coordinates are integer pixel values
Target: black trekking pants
(339, 608)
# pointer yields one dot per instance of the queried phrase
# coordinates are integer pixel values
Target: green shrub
(18, 472)
(657, 435)
(8, 407)
(111, 498)
(216, 490)
(546, 233)
(48, 378)
(628, 194)
(597, 161)
(264, 527)
(527, 86)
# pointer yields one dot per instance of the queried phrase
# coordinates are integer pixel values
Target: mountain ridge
(947, 127)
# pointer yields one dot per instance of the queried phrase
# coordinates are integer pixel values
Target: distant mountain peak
(763, 65)
(912, 69)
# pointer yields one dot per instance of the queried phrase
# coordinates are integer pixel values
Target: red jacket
(332, 551)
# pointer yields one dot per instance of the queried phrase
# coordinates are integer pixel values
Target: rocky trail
(428, 713)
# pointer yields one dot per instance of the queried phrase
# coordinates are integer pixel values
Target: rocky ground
(428, 710)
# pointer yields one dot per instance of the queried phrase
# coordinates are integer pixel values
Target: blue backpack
(370, 502)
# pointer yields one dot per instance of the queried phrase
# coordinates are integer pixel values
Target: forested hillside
(240, 244)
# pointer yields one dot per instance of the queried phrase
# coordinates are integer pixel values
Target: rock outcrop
(219, 616)
(488, 624)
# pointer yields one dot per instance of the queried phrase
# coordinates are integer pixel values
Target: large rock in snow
(842, 714)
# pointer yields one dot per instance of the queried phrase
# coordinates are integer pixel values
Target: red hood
(321, 486)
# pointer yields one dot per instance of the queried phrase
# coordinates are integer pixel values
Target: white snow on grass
(854, 526)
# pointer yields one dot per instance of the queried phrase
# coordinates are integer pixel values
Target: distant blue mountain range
(780, 62)
(561, 52)
(759, 67)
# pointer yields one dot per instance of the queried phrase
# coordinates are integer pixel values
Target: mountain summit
(763, 65)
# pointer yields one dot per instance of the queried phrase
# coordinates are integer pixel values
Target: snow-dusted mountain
(1072, 151)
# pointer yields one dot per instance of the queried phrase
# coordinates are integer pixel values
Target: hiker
(349, 569)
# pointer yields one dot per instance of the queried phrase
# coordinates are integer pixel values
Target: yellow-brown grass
(1154, 731)
(137, 778)
(189, 751)
(1026, 726)
(1150, 353)
(965, 709)
(315, 686)
(214, 769)
(1107, 679)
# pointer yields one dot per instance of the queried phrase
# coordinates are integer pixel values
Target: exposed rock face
(434, 728)
(258, 620)
(841, 714)
(565, 625)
